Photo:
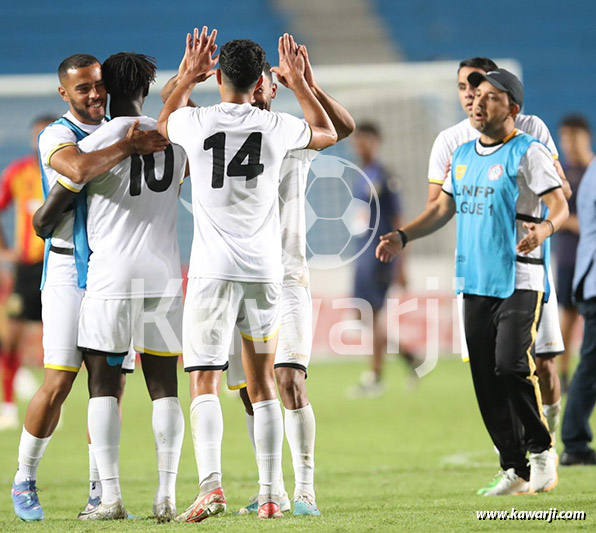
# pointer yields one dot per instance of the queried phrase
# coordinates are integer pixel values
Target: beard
(83, 113)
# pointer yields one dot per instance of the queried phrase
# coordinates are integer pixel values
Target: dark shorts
(565, 285)
(372, 285)
(25, 301)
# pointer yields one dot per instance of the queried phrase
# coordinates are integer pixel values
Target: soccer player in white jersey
(549, 342)
(81, 86)
(133, 287)
(235, 154)
(295, 338)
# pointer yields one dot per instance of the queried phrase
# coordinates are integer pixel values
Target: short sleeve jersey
(20, 185)
(448, 140)
(51, 139)
(131, 219)
(536, 177)
(235, 153)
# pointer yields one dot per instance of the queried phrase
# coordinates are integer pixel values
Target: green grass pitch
(409, 461)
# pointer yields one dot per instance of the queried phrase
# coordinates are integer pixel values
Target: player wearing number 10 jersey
(133, 286)
(235, 154)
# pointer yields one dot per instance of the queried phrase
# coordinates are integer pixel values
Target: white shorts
(211, 310)
(294, 346)
(130, 361)
(549, 341)
(60, 306)
(152, 325)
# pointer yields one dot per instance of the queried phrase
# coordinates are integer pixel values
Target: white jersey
(131, 220)
(235, 152)
(53, 138)
(292, 212)
(449, 139)
(536, 176)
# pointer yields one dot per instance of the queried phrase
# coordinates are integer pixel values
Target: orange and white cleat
(269, 509)
(211, 504)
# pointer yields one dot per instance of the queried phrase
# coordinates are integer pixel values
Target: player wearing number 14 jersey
(235, 154)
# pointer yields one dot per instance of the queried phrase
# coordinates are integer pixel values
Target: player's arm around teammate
(82, 167)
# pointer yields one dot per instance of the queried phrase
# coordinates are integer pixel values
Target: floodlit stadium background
(390, 61)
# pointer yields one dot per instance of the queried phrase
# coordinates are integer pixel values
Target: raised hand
(144, 142)
(308, 73)
(290, 70)
(389, 247)
(198, 63)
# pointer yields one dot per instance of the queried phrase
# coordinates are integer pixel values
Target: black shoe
(570, 459)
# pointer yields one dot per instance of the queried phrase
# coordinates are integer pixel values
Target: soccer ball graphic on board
(341, 202)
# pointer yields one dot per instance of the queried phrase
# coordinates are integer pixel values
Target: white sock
(168, 428)
(551, 413)
(103, 422)
(31, 450)
(250, 427)
(94, 482)
(269, 434)
(300, 432)
(206, 424)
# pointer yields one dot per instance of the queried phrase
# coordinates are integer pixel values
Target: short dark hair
(575, 120)
(267, 70)
(369, 128)
(128, 74)
(241, 62)
(44, 119)
(483, 63)
(76, 61)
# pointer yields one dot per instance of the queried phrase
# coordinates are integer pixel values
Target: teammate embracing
(65, 261)
(133, 288)
(235, 154)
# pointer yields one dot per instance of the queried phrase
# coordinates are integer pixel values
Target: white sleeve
(52, 139)
(296, 132)
(539, 130)
(448, 184)
(108, 134)
(538, 170)
(180, 124)
(439, 157)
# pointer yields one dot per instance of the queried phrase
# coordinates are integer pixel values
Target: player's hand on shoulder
(198, 62)
(389, 247)
(145, 141)
(290, 70)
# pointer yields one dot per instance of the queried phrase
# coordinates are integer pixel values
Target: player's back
(235, 153)
(132, 213)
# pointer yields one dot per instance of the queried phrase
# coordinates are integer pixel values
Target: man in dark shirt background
(373, 278)
(575, 137)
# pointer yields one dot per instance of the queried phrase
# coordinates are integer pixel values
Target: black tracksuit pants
(500, 335)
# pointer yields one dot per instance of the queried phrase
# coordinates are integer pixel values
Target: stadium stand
(551, 60)
(41, 34)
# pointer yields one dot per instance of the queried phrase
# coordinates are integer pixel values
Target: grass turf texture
(408, 461)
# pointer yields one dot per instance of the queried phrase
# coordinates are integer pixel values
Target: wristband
(552, 227)
(404, 237)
